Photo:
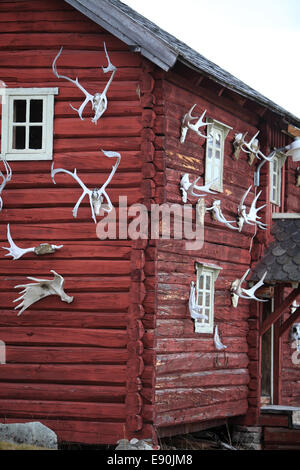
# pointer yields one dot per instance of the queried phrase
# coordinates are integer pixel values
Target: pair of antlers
(251, 147)
(98, 100)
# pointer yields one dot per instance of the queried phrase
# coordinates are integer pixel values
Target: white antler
(218, 343)
(238, 291)
(251, 147)
(187, 188)
(186, 124)
(194, 308)
(251, 217)
(5, 179)
(41, 288)
(99, 100)
(96, 195)
(218, 215)
(16, 252)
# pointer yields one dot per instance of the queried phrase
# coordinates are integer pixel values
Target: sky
(257, 41)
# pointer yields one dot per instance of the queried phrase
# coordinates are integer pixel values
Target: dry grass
(11, 446)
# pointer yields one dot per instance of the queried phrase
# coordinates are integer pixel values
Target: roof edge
(132, 33)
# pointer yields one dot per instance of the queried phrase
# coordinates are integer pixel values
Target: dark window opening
(19, 110)
(19, 137)
(35, 137)
(36, 111)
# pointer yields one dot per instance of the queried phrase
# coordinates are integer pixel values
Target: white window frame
(279, 158)
(211, 162)
(206, 271)
(8, 96)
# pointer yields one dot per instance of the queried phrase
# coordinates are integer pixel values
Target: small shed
(120, 351)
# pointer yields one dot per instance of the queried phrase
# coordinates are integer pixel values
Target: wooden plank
(64, 374)
(206, 378)
(178, 398)
(64, 355)
(36, 409)
(60, 392)
(64, 336)
(204, 413)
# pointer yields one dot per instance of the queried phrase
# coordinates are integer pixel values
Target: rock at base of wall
(33, 433)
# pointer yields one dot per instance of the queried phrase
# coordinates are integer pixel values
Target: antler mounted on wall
(251, 217)
(98, 100)
(188, 189)
(194, 308)
(251, 147)
(40, 289)
(5, 178)
(186, 124)
(237, 291)
(217, 340)
(96, 195)
(16, 252)
(217, 214)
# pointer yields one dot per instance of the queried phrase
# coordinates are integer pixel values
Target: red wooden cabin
(123, 359)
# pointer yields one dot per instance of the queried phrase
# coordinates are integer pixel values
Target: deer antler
(218, 215)
(251, 217)
(251, 147)
(16, 252)
(96, 195)
(5, 179)
(186, 124)
(99, 100)
(238, 291)
(187, 188)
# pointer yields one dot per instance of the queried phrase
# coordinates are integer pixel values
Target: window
(27, 123)
(205, 290)
(276, 165)
(217, 133)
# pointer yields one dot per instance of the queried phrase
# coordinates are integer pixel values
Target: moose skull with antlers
(98, 100)
(5, 179)
(237, 291)
(96, 195)
(186, 124)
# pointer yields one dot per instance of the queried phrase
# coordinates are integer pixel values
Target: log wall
(76, 367)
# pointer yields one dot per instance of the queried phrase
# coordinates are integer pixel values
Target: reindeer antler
(96, 195)
(187, 188)
(186, 124)
(238, 291)
(99, 100)
(218, 214)
(251, 217)
(5, 179)
(251, 147)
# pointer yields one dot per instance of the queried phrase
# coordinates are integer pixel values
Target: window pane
(207, 299)
(201, 282)
(36, 111)
(18, 138)
(200, 298)
(19, 111)
(218, 154)
(35, 137)
(207, 312)
(209, 152)
(208, 282)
